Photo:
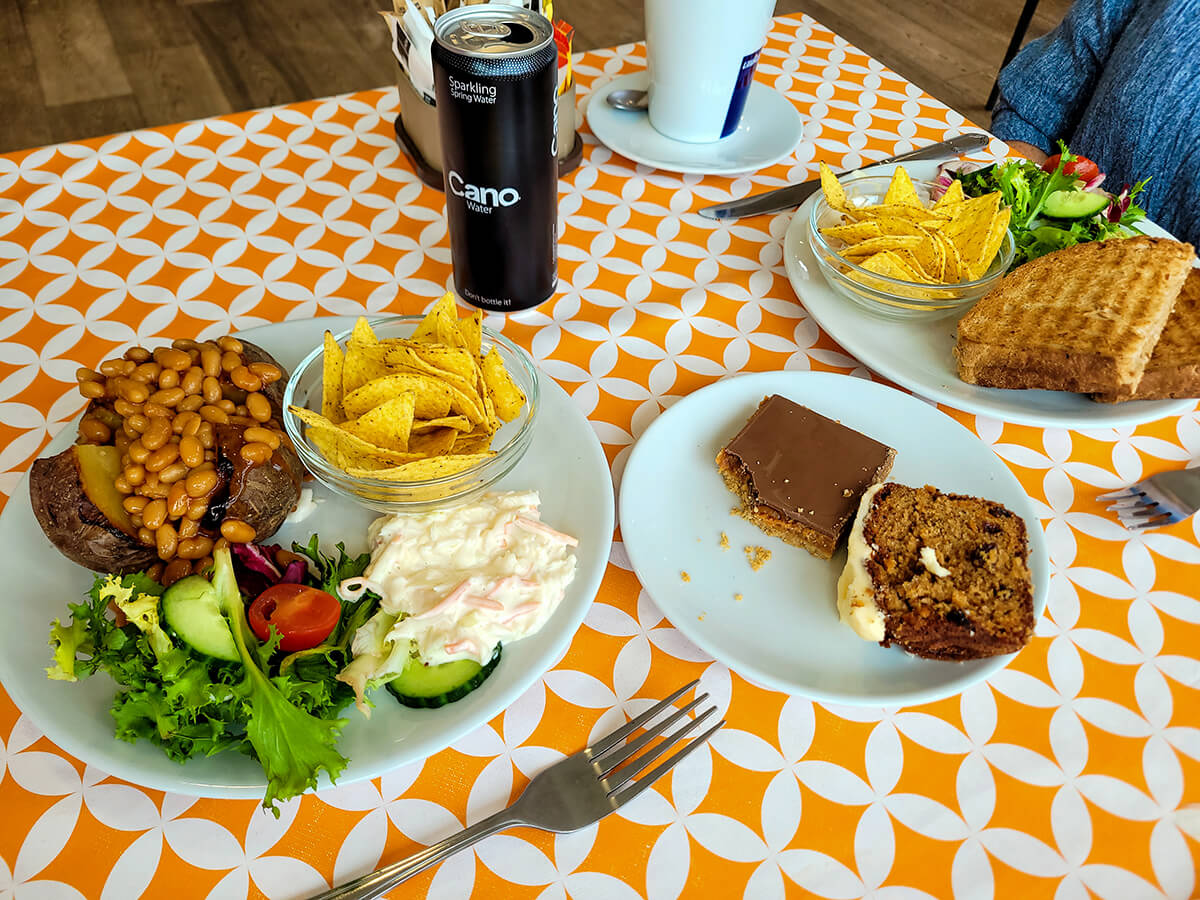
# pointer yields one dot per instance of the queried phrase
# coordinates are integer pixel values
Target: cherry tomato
(303, 615)
(1080, 167)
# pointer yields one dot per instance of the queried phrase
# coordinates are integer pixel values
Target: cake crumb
(700, 618)
(737, 597)
(757, 557)
(846, 492)
(724, 541)
(684, 576)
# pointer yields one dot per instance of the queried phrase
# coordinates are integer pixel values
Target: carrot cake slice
(945, 576)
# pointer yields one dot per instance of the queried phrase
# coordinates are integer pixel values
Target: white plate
(919, 354)
(784, 633)
(770, 129)
(564, 462)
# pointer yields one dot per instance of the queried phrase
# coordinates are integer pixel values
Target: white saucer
(770, 129)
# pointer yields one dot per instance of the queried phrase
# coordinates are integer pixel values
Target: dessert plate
(784, 632)
(919, 354)
(564, 462)
(770, 129)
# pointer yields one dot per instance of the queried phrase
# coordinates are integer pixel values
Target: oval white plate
(564, 462)
(784, 633)
(919, 354)
(770, 129)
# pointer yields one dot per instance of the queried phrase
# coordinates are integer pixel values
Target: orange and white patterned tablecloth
(1073, 773)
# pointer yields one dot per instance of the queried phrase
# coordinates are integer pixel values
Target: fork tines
(612, 751)
(1138, 509)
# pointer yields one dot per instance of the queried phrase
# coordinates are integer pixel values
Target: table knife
(795, 194)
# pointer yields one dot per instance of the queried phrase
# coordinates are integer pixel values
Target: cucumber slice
(428, 687)
(190, 608)
(1074, 204)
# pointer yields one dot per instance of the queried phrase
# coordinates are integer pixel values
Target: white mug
(701, 56)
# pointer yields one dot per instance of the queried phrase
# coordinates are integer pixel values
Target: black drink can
(495, 72)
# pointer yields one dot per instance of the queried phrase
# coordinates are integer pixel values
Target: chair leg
(1014, 45)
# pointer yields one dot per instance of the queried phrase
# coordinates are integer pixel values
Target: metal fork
(1162, 499)
(571, 794)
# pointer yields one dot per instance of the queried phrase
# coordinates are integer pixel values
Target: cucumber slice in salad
(428, 687)
(190, 607)
(1074, 204)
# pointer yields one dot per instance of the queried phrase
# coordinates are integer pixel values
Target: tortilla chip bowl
(401, 449)
(879, 290)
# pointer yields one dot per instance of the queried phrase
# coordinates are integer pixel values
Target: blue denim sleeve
(1046, 87)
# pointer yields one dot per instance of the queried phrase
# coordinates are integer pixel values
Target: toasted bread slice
(1174, 367)
(1085, 318)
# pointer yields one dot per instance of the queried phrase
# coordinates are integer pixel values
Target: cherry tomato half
(303, 615)
(1080, 167)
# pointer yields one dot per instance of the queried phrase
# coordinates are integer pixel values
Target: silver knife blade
(795, 194)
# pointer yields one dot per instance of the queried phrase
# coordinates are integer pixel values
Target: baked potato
(78, 506)
(262, 495)
(77, 501)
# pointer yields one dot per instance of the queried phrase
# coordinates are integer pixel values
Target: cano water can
(495, 75)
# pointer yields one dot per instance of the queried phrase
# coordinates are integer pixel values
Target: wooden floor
(73, 69)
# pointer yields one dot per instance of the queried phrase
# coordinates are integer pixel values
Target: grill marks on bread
(1083, 319)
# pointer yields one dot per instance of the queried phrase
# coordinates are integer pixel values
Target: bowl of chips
(884, 243)
(405, 413)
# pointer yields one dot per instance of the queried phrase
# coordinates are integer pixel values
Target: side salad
(246, 660)
(1055, 205)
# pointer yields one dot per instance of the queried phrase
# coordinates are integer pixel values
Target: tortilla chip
(432, 397)
(427, 331)
(902, 191)
(471, 329)
(387, 425)
(424, 469)
(852, 232)
(879, 244)
(954, 194)
(331, 380)
(460, 424)
(832, 189)
(507, 397)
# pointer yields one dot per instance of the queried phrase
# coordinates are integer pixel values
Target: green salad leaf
(281, 709)
(1025, 187)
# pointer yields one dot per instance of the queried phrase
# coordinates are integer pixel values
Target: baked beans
(95, 431)
(245, 379)
(162, 457)
(175, 570)
(163, 407)
(258, 407)
(263, 436)
(157, 434)
(255, 453)
(154, 513)
(201, 482)
(167, 541)
(268, 372)
(176, 471)
(210, 361)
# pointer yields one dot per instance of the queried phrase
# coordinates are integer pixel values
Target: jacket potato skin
(262, 496)
(76, 525)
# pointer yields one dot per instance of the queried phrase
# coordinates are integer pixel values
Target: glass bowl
(509, 443)
(882, 295)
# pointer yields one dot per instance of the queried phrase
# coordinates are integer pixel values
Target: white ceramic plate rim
(859, 333)
(613, 128)
(413, 734)
(836, 392)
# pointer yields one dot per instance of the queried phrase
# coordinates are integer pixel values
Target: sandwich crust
(1174, 367)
